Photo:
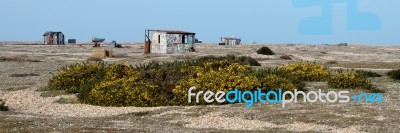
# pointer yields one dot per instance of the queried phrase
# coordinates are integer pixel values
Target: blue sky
(263, 21)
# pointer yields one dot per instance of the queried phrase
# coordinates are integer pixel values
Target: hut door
(183, 39)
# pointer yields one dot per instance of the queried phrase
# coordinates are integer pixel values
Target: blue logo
(323, 25)
(280, 97)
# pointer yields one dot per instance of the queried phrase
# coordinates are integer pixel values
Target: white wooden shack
(169, 41)
(230, 41)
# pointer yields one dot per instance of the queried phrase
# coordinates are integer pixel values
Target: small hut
(230, 41)
(51, 37)
(169, 41)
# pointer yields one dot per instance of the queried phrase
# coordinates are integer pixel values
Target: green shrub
(349, 79)
(125, 92)
(376, 90)
(155, 83)
(158, 65)
(394, 74)
(75, 77)
(120, 70)
(265, 51)
(247, 60)
(369, 74)
(3, 107)
(167, 77)
(243, 60)
(215, 76)
(274, 82)
(167, 83)
(306, 71)
(280, 77)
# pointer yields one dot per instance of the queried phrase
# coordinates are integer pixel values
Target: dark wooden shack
(51, 37)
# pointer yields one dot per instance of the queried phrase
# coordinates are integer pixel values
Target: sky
(260, 21)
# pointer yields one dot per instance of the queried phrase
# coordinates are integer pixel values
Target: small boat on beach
(94, 39)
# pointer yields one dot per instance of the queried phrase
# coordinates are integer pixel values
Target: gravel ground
(32, 111)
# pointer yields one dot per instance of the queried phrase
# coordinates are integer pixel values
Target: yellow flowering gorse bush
(75, 76)
(216, 76)
(306, 71)
(120, 70)
(123, 92)
(274, 82)
(349, 79)
(164, 84)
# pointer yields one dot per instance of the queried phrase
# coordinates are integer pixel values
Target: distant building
(230, 41)
(198, 41)
(51, 37)
(343, 44)
(169, 41)
(71, 41)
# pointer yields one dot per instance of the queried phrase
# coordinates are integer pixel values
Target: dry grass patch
(53, 93)
(234, 53)
(99, 54)
(183, 57)
(17, 59)
(67, 101)
(109, 53)
(102, 53)
(24, 75)
(331, 62)
(120, 56)
(286, 57)
(16, 88)
(147, 56)
(263, 59)
(370, 65)
(94, 59)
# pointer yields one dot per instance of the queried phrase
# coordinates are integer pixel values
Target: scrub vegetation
(167, 83)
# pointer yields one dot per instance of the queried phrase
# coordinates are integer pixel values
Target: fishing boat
(94, 39)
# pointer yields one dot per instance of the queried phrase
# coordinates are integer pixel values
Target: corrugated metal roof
(174, 32)
(51, 32)
(231, 38)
